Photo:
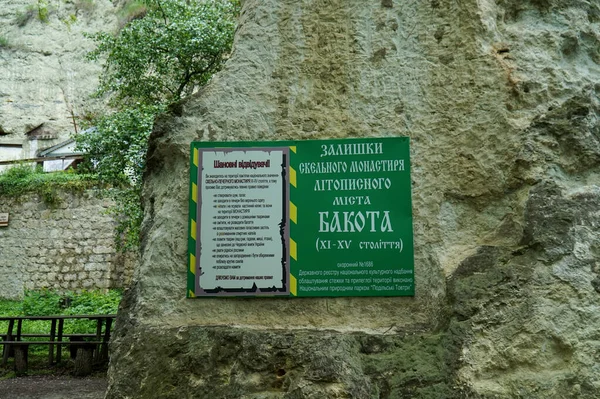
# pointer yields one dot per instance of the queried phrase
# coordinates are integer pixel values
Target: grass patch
(46, 303)
(41, 10)
(4, 42)
(50, 303)
(10, 308)
(22, 179)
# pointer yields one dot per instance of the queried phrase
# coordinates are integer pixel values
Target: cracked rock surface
(500, 100)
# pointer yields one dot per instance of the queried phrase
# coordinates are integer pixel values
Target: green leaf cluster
(117, 145)
(50, 303)
(128, 214)
(4, 42)
(47, 303)
(166, 51)
(160, 58)
(22, 179)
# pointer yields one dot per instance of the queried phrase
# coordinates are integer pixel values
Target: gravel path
(50, 387)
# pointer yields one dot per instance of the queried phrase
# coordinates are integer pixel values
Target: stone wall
(69, 246)
(501, 101)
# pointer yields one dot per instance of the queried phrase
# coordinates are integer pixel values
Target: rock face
(45, 79)
(500, 99)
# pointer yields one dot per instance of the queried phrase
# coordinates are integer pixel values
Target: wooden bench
(85, 348)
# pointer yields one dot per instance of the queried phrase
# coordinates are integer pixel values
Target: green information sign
(310, 218)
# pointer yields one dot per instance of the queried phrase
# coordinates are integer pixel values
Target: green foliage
(4, 43)
(166, 51)
(117, 144)
(50, 303)
(41, 10)
(69, 20)
(10, 308)
(23, 178)
(128, 214)
(41, 303)
(172, 50)
(117, 149)
(94, 302)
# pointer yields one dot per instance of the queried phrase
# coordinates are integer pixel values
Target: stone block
(102, 250)
(97, 258)
(102, 284)
(96, 275)
(103, 266)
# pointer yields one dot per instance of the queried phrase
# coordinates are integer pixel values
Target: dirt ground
(53, 387)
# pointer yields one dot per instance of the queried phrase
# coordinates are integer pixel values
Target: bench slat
(50, 342)
(57, 317)
(48, 335)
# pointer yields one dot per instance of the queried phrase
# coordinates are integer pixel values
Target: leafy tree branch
(151, 63)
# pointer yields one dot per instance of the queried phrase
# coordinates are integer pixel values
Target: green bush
(41, 303)
(165, 51)
(10, 308)
(93, 302)
(50, 303)
(47, 302)
(23, 178)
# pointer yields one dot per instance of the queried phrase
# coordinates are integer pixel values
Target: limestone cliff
(500, 100)
(45, 80)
